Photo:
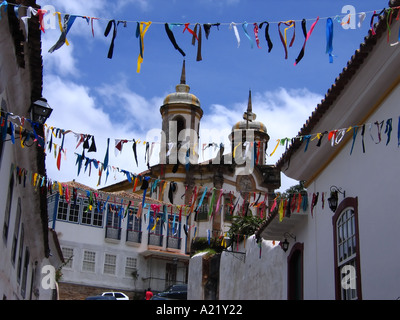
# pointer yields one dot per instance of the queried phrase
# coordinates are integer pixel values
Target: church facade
(237, 182)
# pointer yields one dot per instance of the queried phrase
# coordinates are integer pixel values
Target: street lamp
(285, 244)
(40, 111)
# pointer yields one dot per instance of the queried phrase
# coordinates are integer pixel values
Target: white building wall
(10, 287)
(151, 270)
(373, 177)
(318, 275)
(15, 96)
(98, 278)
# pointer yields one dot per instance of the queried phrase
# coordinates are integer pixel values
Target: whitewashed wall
(151, 272)
(373, 177)
(249, 276)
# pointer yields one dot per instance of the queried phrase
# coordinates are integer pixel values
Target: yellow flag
(142, 33)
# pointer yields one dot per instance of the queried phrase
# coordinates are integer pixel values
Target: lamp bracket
(334, 188)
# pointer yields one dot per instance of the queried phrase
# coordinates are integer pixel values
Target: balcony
(134, 236)
(113, 233)
(155, 239)
(273, 229)
(173, 242)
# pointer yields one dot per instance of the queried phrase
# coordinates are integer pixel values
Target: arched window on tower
(180, 125)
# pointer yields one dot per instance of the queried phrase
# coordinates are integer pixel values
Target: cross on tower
(249, 115)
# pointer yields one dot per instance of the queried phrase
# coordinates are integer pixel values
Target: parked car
(116, 295)
(176, 291)
(101, 298)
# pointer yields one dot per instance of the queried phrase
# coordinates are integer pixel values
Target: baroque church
(238, 182)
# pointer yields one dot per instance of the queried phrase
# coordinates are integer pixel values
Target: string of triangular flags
(121, 205)
(142, 27)
(375, 129)
(14, 127)
(215, 199)
(285, 204)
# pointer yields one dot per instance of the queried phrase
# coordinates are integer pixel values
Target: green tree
(243, 226)
(295, 189)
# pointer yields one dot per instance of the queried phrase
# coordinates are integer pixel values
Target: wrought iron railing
(173, 242)
(113, 233)
(134, 236)
(155, 239)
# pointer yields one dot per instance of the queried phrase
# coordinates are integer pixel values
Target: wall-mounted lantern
(40, 111)
(333, 199)
(285, 244)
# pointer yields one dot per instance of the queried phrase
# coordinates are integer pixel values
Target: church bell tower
(256, 130)
(181, 114)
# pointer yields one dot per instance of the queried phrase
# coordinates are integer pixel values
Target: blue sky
(107, 98)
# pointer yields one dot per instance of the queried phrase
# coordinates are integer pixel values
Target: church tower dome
(181, 114)
(182, 95)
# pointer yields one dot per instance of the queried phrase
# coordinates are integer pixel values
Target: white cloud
(142, 4)
(61, 61)
(75, 108)
(130, 107)
(73, 105)
(78, 7)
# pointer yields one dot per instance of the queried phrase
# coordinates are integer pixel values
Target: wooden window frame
(345, 204)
